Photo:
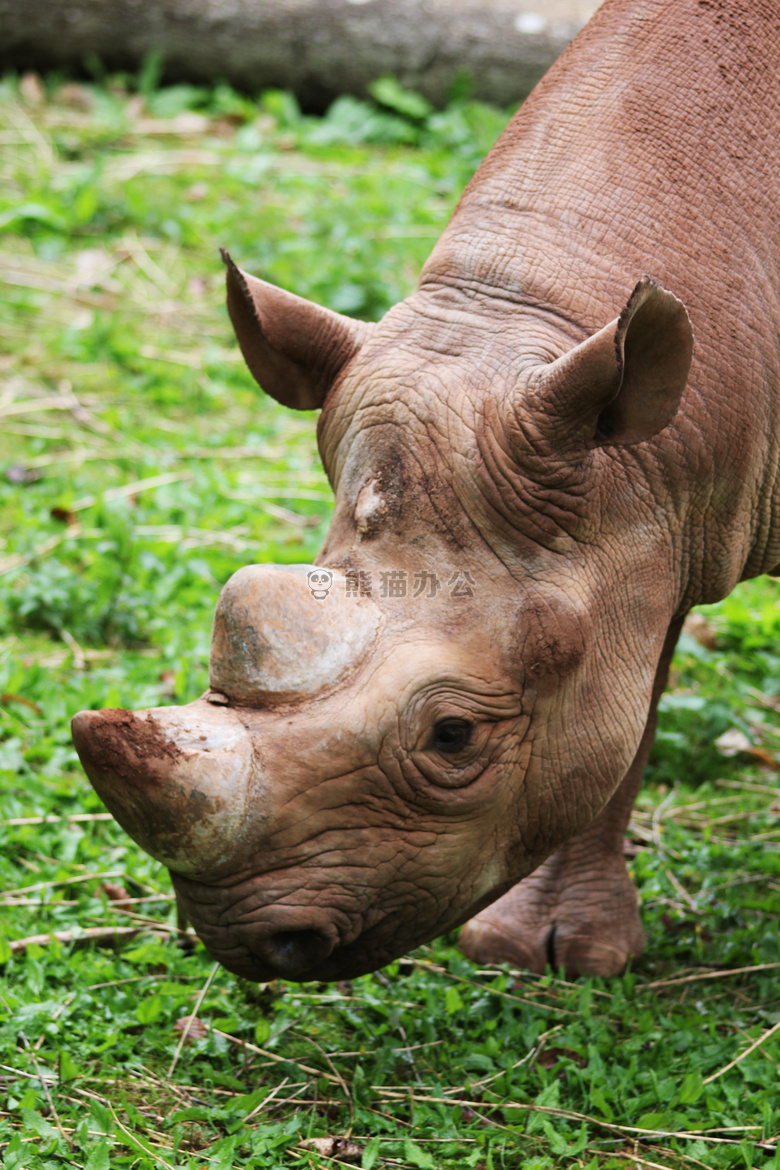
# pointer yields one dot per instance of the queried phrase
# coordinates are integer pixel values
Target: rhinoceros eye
(451, 736)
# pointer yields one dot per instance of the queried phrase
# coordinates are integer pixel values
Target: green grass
(139, 467)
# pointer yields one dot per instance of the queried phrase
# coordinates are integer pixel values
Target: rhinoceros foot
(584, 920)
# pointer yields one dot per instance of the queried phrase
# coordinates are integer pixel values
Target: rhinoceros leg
(579, 910)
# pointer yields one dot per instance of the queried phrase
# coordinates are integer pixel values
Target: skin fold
(560, 442)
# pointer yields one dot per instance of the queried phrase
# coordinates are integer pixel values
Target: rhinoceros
(537, 472)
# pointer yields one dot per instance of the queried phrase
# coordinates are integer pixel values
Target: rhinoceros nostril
(293, 951)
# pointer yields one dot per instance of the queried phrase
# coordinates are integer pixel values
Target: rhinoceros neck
(623, 163)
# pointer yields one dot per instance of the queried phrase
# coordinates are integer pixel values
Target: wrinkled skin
(365, 784)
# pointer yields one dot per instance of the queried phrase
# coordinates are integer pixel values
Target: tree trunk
(317, 48)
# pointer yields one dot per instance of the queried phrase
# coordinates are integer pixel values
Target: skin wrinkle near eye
(441, 700)
(251, 902)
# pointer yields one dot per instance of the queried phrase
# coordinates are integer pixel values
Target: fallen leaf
(732, 742)
(63, 515)
(114, 893)
(334, 1147)
(195, 1028)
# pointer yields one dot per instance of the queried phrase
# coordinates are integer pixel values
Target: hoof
(542, 922)
(487, 941)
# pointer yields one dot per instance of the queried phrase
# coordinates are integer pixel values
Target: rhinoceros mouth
(300, 956)
(295, 942)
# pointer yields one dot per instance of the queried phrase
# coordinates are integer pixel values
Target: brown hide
(537, 419)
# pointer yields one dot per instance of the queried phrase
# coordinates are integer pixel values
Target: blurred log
(317, 48)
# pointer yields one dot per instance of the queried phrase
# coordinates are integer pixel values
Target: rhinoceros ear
(624, 383)
(293, 348)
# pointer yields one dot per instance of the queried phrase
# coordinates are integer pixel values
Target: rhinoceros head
(395, 736)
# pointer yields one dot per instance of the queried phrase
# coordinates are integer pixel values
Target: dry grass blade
(45, 1088)
(286, 516)
(7, 698)
(492, 990)
(681, 890)
(276, 1059)
(531, 1055)
(176, 357)
(30, 133)
(197, 537)
(135, 251)
(80, 455)
(643, 1161)
(747, 786)
(131, 489)
(167, 162)
(94, 934)
(193, 1016)
(339, 1079)
(135, 1143)
(254, 453)
(707, 1135)
(33, 405)
(79, 658)
(700, 975)
(72, 881)
(733, 1063)
(266, 1100)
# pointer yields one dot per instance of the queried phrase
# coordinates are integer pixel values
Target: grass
(138, 468)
